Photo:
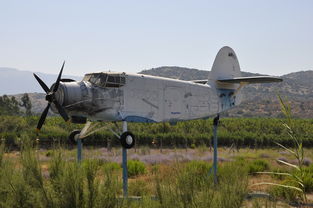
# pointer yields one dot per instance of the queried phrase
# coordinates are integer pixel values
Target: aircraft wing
(251, 80)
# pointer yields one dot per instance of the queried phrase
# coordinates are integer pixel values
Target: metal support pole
(215, 125)
(79, 149)
(124, 164)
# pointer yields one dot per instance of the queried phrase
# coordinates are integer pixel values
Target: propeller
(50, 97)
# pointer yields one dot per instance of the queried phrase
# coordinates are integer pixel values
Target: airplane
(121, 96)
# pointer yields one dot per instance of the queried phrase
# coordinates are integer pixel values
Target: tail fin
(225, 77)
(225, 66)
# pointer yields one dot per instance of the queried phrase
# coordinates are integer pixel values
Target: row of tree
(11, 106)
(236, 132)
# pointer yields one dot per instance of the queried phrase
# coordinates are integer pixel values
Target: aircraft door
(174, 103)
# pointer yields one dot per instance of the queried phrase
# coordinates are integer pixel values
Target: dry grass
(171, 161)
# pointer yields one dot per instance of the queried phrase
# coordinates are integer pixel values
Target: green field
(236, 132)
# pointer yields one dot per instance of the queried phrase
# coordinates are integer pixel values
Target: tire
(72, 135)
(127, 140)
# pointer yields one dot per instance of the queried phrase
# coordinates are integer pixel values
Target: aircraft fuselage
(137, 98)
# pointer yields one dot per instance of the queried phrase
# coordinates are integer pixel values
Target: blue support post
(124, 164)
(79, 150)
(215, 125)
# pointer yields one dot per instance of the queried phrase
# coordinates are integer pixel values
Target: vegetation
(297, 182)
(9, 106)
(135, 168)
(258, 165)
(27, 104)
(51, 178)
(27, 182)
(243, 132)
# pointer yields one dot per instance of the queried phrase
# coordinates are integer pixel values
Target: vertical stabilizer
(226, 66)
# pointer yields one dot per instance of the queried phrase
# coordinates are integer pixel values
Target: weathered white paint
(144, 98)
(162, 99)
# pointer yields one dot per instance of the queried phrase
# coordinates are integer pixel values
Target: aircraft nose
(68, 93)
(59, 94)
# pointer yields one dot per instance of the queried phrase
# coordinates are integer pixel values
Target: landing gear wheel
(127, 140)
(72, 136)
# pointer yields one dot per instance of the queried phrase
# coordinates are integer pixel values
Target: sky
(269, 36)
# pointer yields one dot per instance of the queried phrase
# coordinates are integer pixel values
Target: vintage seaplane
(108, 96)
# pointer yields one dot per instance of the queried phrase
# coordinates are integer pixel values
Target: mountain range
(259, 100)
(14, 81)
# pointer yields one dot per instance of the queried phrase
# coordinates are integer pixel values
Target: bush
(138, 188)
(111, 166)
(288, 194)
(277, 175)
(258, 166)
(135, 168)
(308, 182)
(183, 188)
(308, 179)
(198, 168)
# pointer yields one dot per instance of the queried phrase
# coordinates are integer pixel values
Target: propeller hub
(50, 97)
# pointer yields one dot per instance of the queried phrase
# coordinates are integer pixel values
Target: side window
(112, 81)
(105, 80)
(87, 77)
(94, 78)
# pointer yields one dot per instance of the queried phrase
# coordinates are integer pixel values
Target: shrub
(91, 168)
(109, 190)
(138, 188)
(278, 173)
(183, 188)
(198, 168)
(111, 166)
(135, 168)
(233, 183)
(308, 182)
(258, 166)
(308, 178)
(279, 192)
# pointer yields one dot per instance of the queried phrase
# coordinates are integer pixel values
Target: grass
(51, 178)
(298, 181)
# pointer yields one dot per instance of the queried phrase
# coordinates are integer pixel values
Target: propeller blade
(56, 86)
(61, 111)
(43, 117)
(42, 84)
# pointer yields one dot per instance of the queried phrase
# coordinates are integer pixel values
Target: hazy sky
(269, 36)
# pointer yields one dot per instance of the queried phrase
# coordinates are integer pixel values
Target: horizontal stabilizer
(251, 80)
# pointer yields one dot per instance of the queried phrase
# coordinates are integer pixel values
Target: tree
(26, 103)
(9, 106)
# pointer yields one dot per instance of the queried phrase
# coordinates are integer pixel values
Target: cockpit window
(106, 80)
